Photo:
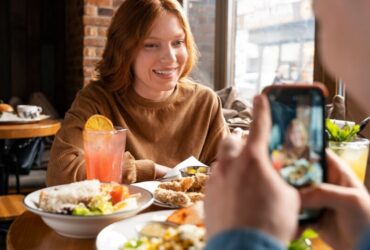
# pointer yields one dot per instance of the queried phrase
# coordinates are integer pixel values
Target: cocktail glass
(104, 152)
(355, 153)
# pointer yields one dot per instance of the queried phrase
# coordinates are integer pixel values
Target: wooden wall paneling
(18, 38)
(5, 88)
(33, 45)
(48, 49)
(60, 60)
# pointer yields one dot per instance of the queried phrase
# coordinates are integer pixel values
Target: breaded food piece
(172, 197)
(179, 185)
(171, 185)
(195, 196)
(199, 182)
(186, 183)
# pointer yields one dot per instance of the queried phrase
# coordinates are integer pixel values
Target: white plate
(151, 186)
(114, 236)
(85, 226)
(7, 117)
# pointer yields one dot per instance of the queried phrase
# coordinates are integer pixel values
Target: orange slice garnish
(99, 122)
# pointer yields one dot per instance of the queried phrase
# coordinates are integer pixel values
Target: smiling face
(297, 136)
(161, 59)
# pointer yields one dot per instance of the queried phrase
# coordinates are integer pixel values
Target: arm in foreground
(245, 194)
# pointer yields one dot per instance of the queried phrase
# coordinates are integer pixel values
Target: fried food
(172, 197)
(199, 182)
(182, 192)
(180, 185)
(195, 196)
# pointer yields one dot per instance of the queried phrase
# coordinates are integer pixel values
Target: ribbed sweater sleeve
(137, 170)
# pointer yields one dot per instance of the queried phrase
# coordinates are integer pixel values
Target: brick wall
(87, 22)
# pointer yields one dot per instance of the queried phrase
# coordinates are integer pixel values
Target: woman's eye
(178, 43)
(150, 45)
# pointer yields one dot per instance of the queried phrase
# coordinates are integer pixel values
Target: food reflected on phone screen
(297, 141)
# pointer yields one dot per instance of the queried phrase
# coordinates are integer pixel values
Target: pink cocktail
(104, 152)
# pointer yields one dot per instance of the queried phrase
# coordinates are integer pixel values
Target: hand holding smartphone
(297, 142)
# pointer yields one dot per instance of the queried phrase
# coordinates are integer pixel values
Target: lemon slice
(99, 122)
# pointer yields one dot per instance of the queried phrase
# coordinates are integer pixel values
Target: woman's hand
(160, 170)
(245, 191)
(347, 204)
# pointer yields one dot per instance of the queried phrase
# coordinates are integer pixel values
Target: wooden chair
(11, 206)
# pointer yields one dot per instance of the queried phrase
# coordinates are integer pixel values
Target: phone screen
(297, 142)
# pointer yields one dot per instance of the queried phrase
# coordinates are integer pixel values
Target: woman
(143, 86)
(296, 143)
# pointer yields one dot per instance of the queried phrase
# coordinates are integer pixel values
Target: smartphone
(297, 142)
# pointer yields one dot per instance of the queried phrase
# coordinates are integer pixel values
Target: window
(261, 42)
(201, 15)
(274, 44)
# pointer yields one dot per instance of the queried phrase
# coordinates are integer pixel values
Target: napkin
(191, 161)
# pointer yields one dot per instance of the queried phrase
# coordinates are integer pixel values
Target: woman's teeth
(164, 72)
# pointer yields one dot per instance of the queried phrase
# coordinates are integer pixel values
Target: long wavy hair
(288, 143)
(130, 25)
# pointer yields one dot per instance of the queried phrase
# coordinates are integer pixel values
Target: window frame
(225, 31)
(225, 44)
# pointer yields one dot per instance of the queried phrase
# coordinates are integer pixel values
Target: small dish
(192, 170)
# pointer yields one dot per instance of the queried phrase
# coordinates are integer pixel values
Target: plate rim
(25, 120)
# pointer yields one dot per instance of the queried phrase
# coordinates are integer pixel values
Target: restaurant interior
(49, 51)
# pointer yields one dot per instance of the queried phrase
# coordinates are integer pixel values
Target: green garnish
(347, 133)
(304, 241)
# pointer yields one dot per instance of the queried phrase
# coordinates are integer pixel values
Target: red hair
(130, 25)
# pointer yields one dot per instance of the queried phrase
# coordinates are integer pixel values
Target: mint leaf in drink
(304, 241)
(346, 133)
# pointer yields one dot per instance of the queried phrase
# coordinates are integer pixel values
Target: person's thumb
(260, 129)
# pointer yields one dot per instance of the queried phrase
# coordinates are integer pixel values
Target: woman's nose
(168, 54)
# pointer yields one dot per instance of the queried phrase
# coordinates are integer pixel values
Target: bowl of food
(82, 209)
(193, 170)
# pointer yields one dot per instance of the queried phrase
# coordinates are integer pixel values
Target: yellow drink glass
(355, 153)
(104, 152)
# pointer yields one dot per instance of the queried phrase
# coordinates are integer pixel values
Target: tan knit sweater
(187, 123)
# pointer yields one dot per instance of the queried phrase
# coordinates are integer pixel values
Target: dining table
(28, 231)
(25, 130)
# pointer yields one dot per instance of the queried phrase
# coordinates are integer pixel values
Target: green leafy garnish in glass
(304, 241)
(345, 134)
